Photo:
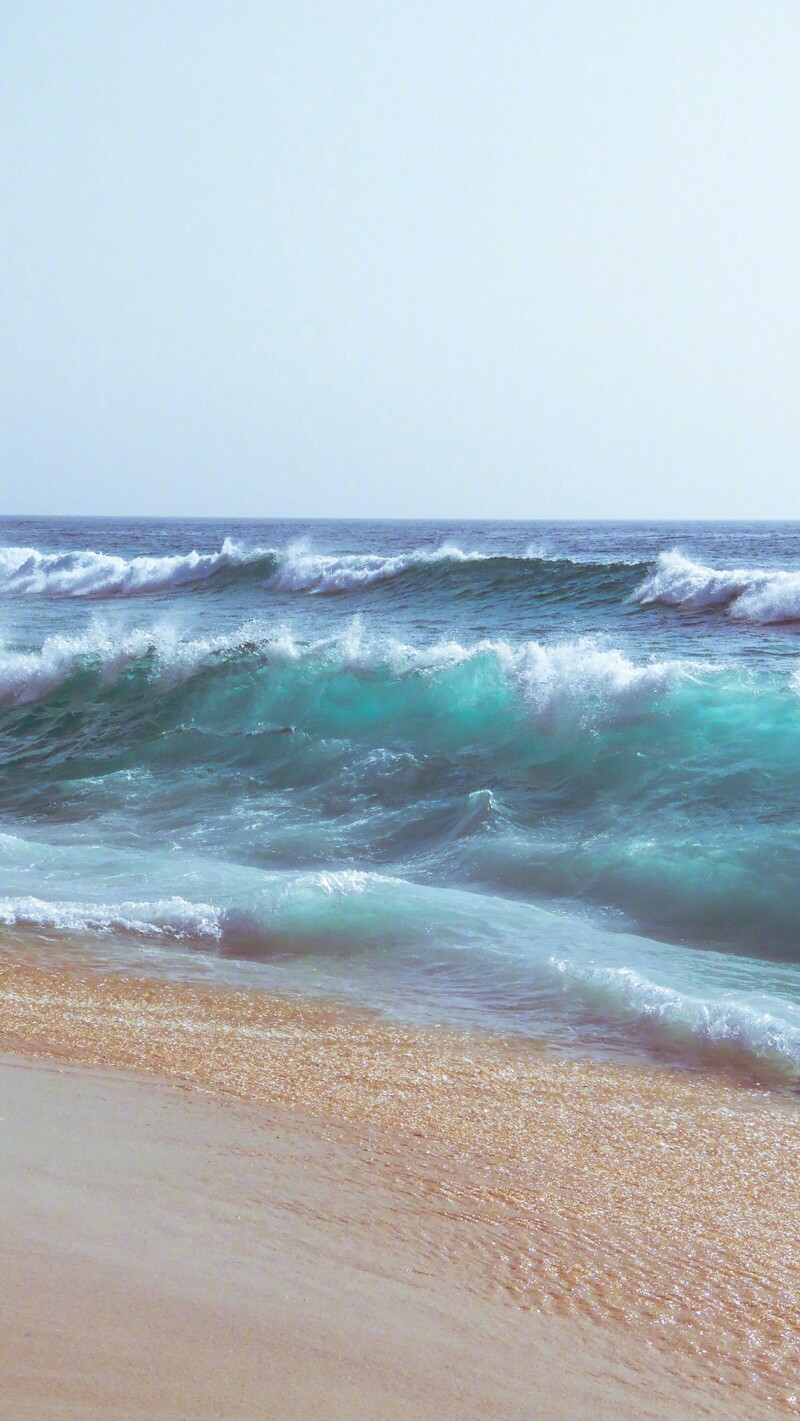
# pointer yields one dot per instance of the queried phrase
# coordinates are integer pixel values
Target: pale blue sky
(400, 259)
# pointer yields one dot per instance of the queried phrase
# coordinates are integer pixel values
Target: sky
(402, 259)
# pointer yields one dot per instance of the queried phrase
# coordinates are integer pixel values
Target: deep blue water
(537, 776)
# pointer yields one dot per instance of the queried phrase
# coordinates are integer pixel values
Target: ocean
(537, 778)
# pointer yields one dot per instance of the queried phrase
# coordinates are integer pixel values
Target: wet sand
(338, 1216)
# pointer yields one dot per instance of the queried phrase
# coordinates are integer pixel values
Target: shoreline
(652, 1210)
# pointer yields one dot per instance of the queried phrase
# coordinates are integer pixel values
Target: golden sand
(661, 1200)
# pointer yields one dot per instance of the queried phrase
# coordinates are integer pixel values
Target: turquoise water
(537, 776)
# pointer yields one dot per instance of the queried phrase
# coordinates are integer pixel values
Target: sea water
(543, 778)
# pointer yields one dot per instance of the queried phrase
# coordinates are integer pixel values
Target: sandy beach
(282, 1208)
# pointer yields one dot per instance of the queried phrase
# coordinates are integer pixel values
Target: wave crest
(515, 957)
(293, 569)
(581, 677)
(27, 571)
(759, 595)
(301, 570)
(757, 1035)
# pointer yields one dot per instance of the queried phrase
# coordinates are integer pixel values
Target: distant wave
(301, 570)
(294, 569)
(97, 574)
(759, 595)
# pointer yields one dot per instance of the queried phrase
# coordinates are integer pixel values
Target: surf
(759, 595)
(371, 757)
(297, 568)
(506, 963)
(565, 771)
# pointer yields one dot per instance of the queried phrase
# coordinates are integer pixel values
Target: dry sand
(316, 1214)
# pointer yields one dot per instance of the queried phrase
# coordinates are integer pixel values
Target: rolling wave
(86, 573)
(759, 595)
(301, 570)
(521, 960)
(579, 678)
(294, 569)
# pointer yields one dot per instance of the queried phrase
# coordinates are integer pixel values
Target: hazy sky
(393, 259)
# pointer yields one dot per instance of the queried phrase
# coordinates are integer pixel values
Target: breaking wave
(759, 595)
(580, 678)
(524, 961)
(27, 571)
(294, 569)
(565, 771)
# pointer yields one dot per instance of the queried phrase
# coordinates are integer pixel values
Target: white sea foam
(167, 917)
(761, 595)
(595, 682)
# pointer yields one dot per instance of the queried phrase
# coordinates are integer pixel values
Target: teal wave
(664, 790)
